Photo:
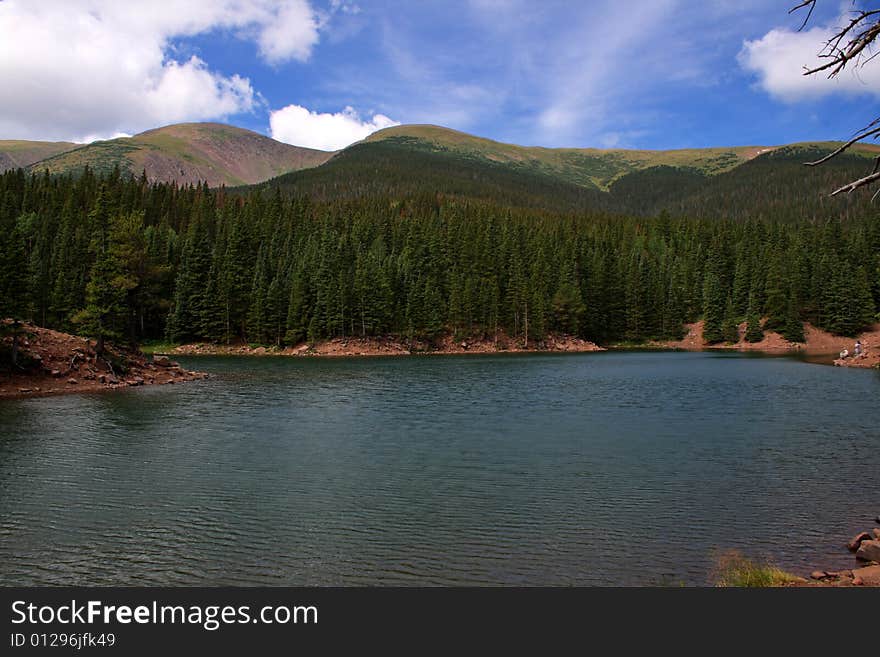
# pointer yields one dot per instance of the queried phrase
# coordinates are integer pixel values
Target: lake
(615, 468)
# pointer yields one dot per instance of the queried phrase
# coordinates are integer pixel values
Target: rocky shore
(866, 547)
(392, 346)
(51, 362)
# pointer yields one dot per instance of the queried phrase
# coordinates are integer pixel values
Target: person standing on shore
(857, 350)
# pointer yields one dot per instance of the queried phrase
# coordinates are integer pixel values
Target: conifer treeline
(125, 259)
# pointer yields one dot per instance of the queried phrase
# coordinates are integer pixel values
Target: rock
(853, 545)
(102, 378)
(869, 551)
(72, 382)
(112, 379)
(162, 361)
(23, 390)
(818, 574)
(868, 576)
(56, 373)
(876, 533)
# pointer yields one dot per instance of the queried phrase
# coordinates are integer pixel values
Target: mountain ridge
(187, 153)
(222, 154)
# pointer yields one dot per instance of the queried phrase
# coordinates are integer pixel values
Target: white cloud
(297, 125)
(77, 69)
(779, 57)
(290, 33)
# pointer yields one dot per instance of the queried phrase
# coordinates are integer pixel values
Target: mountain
(189, 153)
(15, 153)
(742, 181)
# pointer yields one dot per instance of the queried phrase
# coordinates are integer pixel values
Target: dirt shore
(57, 363)
(818, 343)
(390, 346)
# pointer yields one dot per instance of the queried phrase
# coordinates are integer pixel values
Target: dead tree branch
(852, 45)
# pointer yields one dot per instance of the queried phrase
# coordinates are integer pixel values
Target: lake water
(608, 468)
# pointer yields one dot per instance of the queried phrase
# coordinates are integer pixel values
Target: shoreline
(820, 345)
(865, 548)
(389, 346)
(58, 363)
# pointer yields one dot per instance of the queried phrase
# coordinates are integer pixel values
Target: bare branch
(859, 137)
(851, 44)
(861, 38)
(806, 3)
(849, 188)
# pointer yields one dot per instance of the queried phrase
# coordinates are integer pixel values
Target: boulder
(868, 576)
(876, 532)
(72, 382)
(869, 551)
(162, 361)
(853, 545)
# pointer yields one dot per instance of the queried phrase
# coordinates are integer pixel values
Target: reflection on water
(612, 468)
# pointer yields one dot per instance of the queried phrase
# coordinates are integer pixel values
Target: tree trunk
(99, 346)
(14, 344)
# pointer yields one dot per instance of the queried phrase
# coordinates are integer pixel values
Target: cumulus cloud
(778, 60)
(78, 69)
(297, 125)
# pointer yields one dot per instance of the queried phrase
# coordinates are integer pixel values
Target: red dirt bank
(62, 363)
(818, 342)
(388, 346)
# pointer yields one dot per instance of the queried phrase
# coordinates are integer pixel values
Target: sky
(653, 74)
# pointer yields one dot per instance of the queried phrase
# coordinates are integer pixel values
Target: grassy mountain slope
(589, 167)
(189, 153)
(401, 168)
(774, 183)
(18, 153)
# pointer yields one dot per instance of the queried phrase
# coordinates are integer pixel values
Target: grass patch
(151, 348)
(733, 569)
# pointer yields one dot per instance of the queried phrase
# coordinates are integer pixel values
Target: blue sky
(642, 74)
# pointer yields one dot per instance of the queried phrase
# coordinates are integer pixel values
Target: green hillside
(591, 167)
(403, 167)
(773, 184)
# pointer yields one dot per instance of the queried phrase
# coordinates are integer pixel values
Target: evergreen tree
(793, 331)
(730, 326)
(754, 331)
(713, 309)
(107, 292)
